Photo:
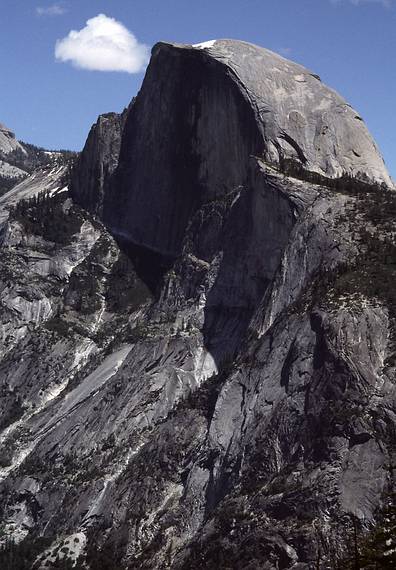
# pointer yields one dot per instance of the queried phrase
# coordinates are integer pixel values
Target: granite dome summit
(227, 91)
(297, 115)
(210, 290)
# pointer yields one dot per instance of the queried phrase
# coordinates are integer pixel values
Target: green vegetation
(36, 157)
(13, 411)
(204, 398)
(21, 556)
(375, 549)
(105, 557)
(346, 184)
(60, 327)
(45, 215)
(370, 219)
(374, 272)
(7, 182)
(24, 556)
(125, 290)
(138, 333)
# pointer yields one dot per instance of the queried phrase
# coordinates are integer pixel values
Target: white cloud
(103, 45)
(53, 10)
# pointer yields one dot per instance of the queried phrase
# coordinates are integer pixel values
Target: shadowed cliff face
(213, 385)
(188, 158)
(248, 253)
(186, 147)
(200, 115)
(186, 142)
(97, 162)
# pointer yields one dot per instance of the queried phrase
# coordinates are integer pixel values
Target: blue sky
(351, 44)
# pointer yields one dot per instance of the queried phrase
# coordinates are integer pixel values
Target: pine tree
(379, 551)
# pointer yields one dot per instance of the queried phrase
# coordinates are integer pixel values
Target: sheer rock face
(210, 113)
(298, 116)
(44, 180)
(209, 109)
(244, 413)
(97, 161)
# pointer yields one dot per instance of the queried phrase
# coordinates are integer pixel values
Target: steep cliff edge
(219, 392)
(209, 109)
(97, 162)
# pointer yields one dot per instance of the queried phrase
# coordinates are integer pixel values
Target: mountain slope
(19, 159)
(10, 173)
(215, 384)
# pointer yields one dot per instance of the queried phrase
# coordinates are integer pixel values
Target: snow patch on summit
(205, 45)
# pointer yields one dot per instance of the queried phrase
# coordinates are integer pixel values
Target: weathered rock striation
(212, 305)
(211, 109)
(8, 142)
(97, 162)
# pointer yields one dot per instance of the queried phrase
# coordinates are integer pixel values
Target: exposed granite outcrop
(233, 100)
(10, 174)
(224, 395)
(8, 142)
(97, 161)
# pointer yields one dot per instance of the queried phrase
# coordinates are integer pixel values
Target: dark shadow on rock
(253, 240)
(150, 265)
